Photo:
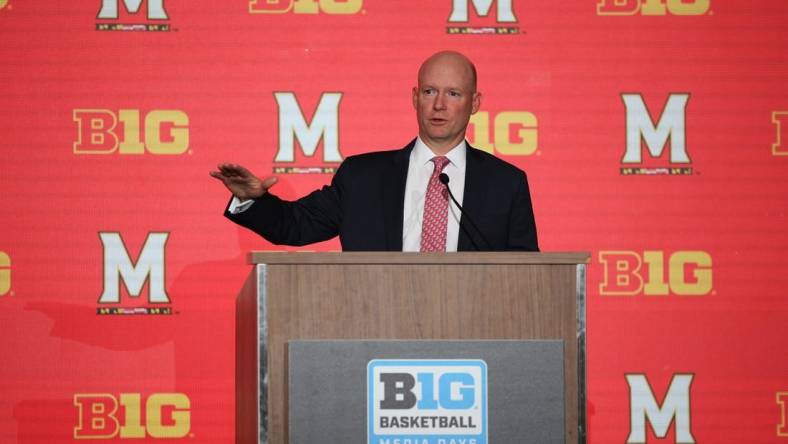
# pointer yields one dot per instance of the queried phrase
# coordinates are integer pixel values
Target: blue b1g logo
(427, 401)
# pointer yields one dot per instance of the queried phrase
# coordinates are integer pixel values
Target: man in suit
(397, 200)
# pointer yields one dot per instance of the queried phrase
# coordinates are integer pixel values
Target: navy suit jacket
(364, 206)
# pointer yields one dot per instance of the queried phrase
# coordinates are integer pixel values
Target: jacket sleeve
(312, 218)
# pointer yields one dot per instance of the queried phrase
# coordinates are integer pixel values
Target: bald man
(398, 200)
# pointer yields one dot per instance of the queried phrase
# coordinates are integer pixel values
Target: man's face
(444, 101)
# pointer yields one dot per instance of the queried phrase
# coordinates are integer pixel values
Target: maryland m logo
(669, 127)
(504, 11)
(149, 266)
(109, 9)
(293, 126)
(644, 409)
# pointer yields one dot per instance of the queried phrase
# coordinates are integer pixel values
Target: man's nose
(440, 102)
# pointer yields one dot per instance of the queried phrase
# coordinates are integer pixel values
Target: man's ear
(415, 96)
(477, 102)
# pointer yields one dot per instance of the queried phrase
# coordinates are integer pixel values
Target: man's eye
(429, 92)
(454, 94)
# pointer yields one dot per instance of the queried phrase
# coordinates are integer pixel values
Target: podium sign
(427, 392)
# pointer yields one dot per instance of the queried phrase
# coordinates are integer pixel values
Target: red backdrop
(654, 135)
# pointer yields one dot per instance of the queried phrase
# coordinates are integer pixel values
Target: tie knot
(440, 163)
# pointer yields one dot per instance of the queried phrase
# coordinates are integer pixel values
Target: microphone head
(444, 178)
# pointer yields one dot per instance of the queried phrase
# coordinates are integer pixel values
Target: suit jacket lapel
(394, 179)
(472, 200)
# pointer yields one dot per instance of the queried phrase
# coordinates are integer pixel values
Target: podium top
(459, 258)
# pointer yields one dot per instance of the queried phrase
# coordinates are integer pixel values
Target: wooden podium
(404, 296)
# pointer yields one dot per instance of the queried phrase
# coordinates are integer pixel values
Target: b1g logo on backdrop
(682, 273)
(334, 7)
(154, 18)
(120, 268)
(653, 7)
(645, 410)
(295, 127)
(782, 403)
(129, 416)
(670, 128)
(514, 133)
(5, 274)
(427, 401)
(101, 131)
(502, 21)
(780, 145)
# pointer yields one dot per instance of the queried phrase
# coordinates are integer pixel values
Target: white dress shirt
(420, 169)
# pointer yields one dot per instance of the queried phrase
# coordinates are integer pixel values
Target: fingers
(232, 170)
(229, 171)
(269, 181)
(226, 170)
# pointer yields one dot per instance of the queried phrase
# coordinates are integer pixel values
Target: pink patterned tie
(436, 210)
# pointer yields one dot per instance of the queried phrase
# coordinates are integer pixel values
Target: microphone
(444, 178)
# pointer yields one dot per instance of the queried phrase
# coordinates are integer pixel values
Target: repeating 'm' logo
(104, 416)
(119, 267)
(165, 132)
(305, 6)
(671, 126)
(644, 409)
(653, 7)
(293, 126)
(514, 133)
(5, 273)
(688, 273)
(503, 22)
(109, 18)
(426, 401)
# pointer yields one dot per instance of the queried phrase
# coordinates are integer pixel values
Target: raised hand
(241, 182)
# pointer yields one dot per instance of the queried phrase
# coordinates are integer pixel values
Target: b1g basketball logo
(331, 7)
(158, 132)
(427, 401)
(154, 18)
(505, 133)
(780, 145)
(670, 128)
(782, 403)
(484, 20)
(653, 7)
(134, 274)
(130, 416)
(654, 273)
(5, 274)
(295, 127)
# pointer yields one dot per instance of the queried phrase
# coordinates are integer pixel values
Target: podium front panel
(333, 392)
(403, 297)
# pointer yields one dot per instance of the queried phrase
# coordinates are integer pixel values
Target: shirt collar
(423, 154)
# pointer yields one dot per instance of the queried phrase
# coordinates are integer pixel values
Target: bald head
(452, 60)
(445, 99)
